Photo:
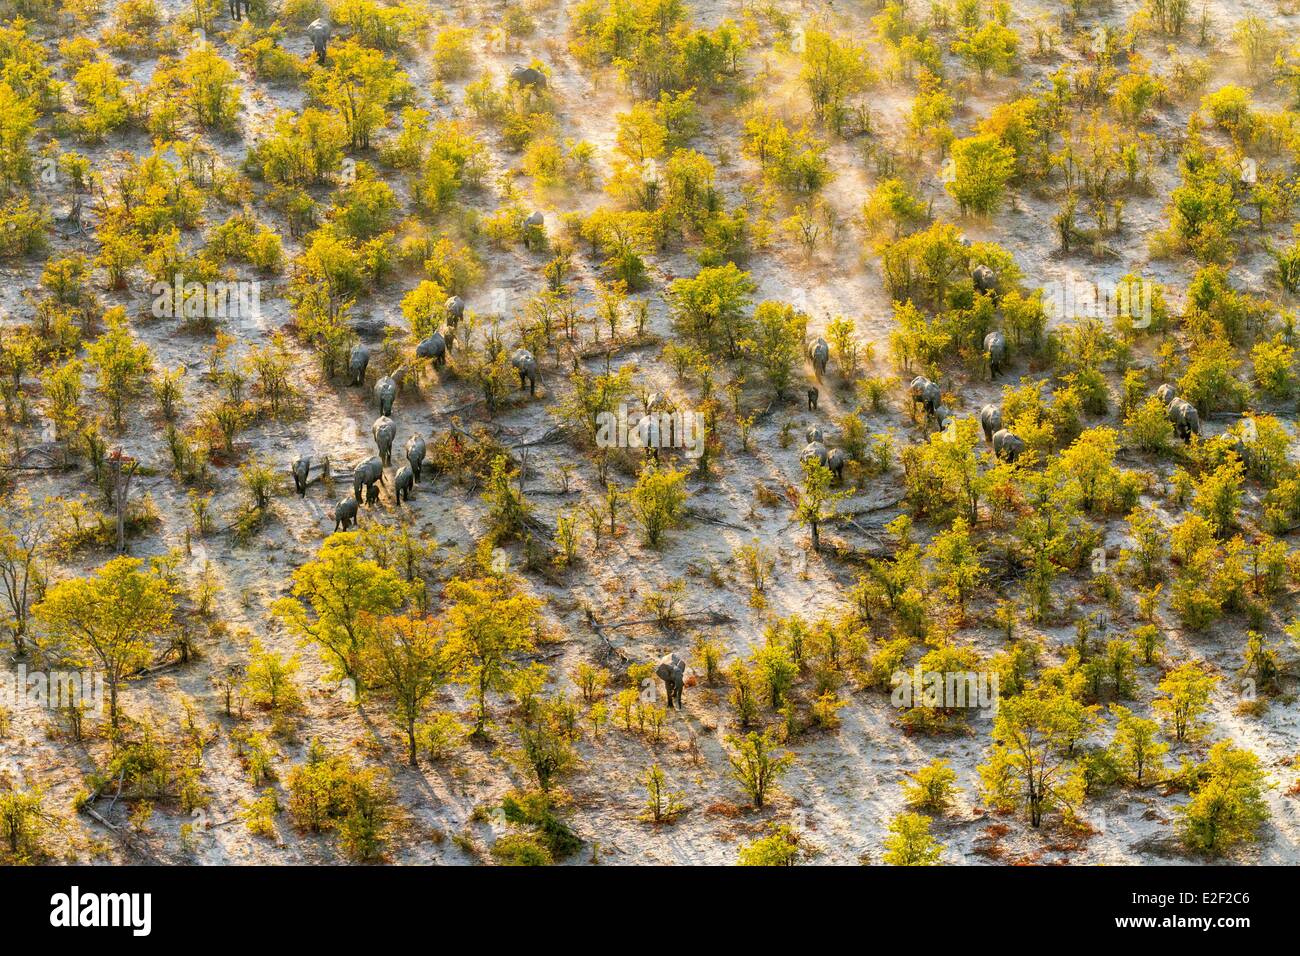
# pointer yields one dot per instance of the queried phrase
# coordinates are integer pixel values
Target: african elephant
(813, 395)
(672, 671)
(524, 363)
(1166, 393)
(814, 433)
(385, 392)
(995, 344)
(415, 449)
(366, 474)
(455, 309)
(1182, 415)
(385, 430)
(358, 360)
(814, 451)
(990, 420)
(235, 9)
(345, 514)
(528, 78)
(985, 279)
(434, 347)
(301, 468)
(402, 483)
(1007, 445)
(835, 461)
(820, 354)
(318, 31)
(534, 229)
(926, 394)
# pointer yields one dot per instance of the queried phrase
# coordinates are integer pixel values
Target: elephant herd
(369, 474)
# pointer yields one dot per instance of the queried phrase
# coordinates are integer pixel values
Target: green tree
(488, 627)
(910, 842)
(657, 501)
(1227, 805)
(408, 657)
(756, 765)
(1186, 693)
(981, 168)
(109, 618)
(776, 343)
(338, 596)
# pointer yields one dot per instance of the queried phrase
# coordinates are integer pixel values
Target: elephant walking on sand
(990, 421)
(814, 451)
(455, 309)
(672, 671)
(435, 348)
(926, 394)
(402, 483)
(995, 346)
(318, 31)
(358, 360)
(528, 78)
(301, 468)
(820, 354)
(1007, 445)
(836, 459)
(415, 450)
(385, 430)
(1183, 416)
(345, 514)
(386, 392)
(365, 475)
(524, 363)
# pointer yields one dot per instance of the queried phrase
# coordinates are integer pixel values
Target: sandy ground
(844, 786)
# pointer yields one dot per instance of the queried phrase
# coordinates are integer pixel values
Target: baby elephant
(385, 430)
(1007, 446)
(415, 449)
(301, 468)
(402, 483)
(526, 366)
(1183, 416)
(813, 395)
(995, 345)
(672, 671)
(990, 421)
(345, 514)
(358, 360)
(820, 354)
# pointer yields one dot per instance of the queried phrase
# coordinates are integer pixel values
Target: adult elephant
(386, 393)
(384, 430)
(1183, 416)
(365, 475)
(984, 279)
(672, 671)
(434, 348)
(415, 451)
(358, 362)
(990, 421)
(525, 364)
(1007, 445)
(819, 353)
(345, 514)
(403, 482)
(995, 347)
(319, 31)
(926, 394)
(300, 470)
